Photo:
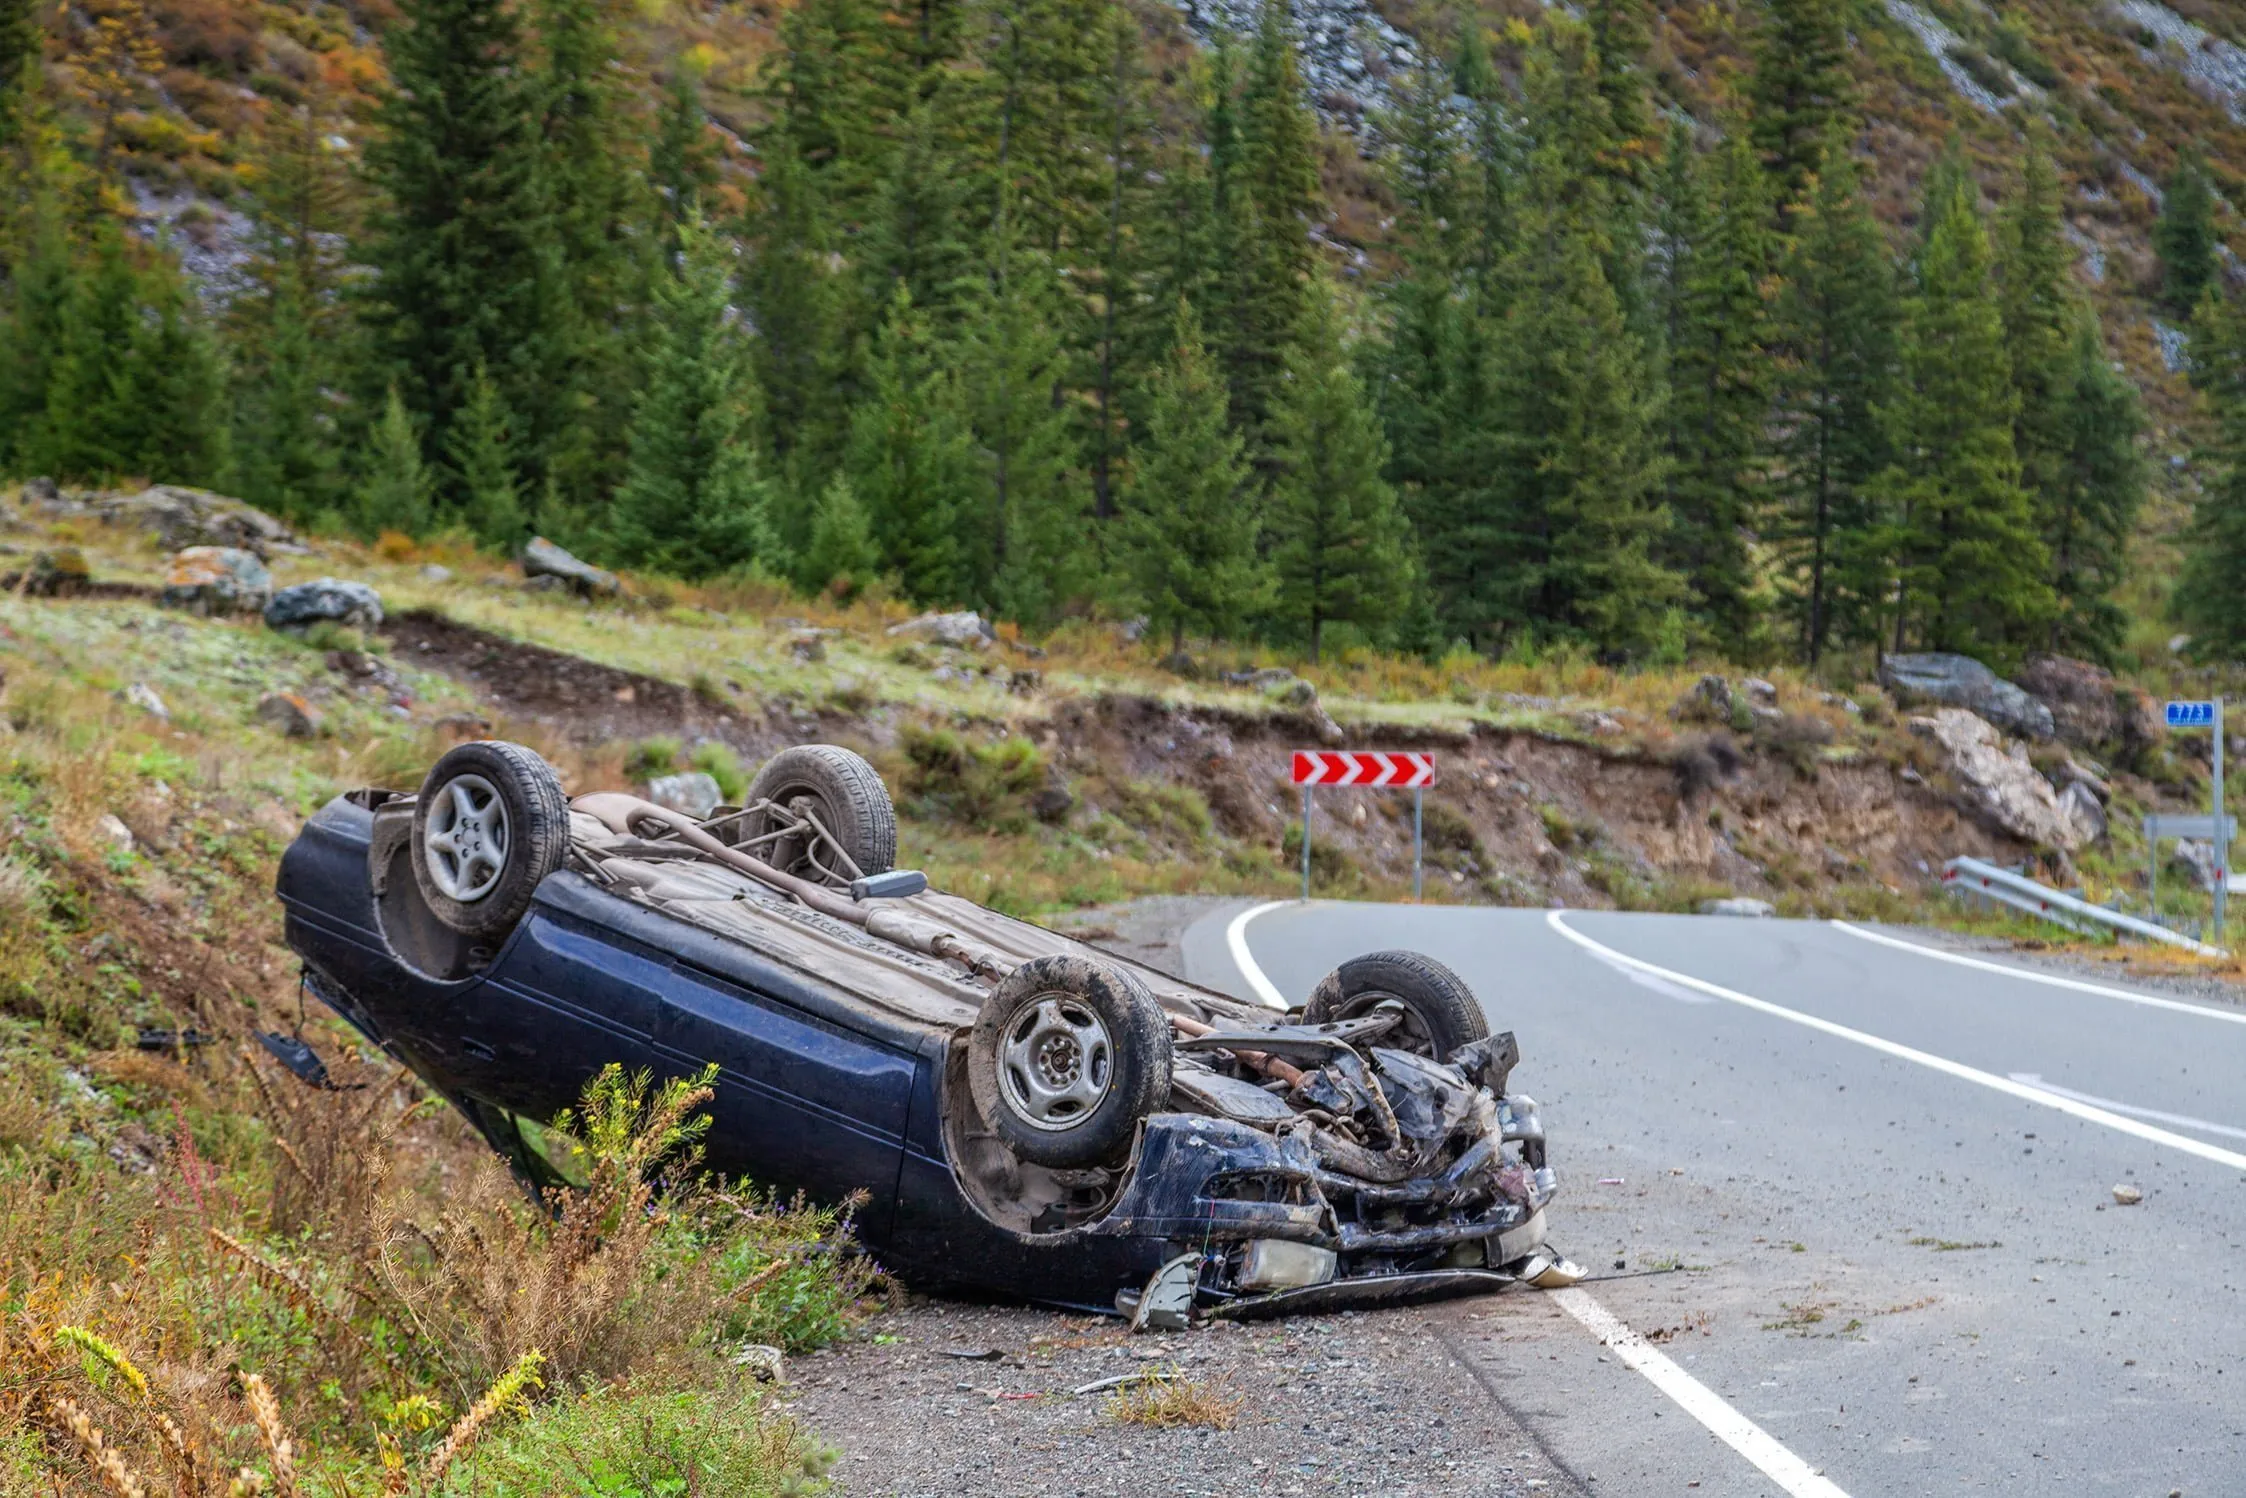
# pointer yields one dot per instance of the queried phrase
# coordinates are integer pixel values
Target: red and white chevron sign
(1371, 767)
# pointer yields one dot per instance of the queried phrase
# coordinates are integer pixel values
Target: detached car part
(1024, 1113)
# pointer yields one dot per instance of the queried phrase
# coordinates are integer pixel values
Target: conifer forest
(1048, 309)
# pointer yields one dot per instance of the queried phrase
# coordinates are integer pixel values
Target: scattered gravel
(1368, 1403)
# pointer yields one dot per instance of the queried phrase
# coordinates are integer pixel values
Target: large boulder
(1961, 681)
(178, 517)
(966, 629)
(542, 558)
(332, 599)
(2089, 708)
(693, 792)
(2004, 787)
(216, 580)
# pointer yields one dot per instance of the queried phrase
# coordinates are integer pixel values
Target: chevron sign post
(1374, 769)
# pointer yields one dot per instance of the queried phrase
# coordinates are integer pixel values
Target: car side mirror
(897, 884)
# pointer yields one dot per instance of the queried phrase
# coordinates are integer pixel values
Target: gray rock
(966, 629)
(180, 517)
(1959, 681)
(2004, 787)
(542, 558)
(291, 714)
(1131, 631)
(216, 580)
(2082, 807)
(1738, 905)
(350, 603)
(143, 696)
(114, 832)
(1052, 804)
(58, 572)
(694, 793)
(433, 572)
(1762, 691)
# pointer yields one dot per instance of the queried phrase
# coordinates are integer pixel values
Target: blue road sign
(2191, 714)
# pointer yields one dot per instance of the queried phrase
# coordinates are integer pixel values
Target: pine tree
(842, 557)
(693, 501)
(1266, 195)
(395, 494)
(1800, 90)
(42, 284)
(682, 163)
(1719, 398)
(1190, 537)
(22, 37)
(1338, 542)
(1836, 319)
(460, 236)
(589, 177)
(2208, 600)
(800, 310)
(288, 340)
(1971, 574)
(1024, 539)
(175, 386)
(1620, 33)
(918, 237)
(488, 493)
(88, 428)
(2039, 317)
(911, 459)
(2090, 509)
(2185, 237)
(1571, 459)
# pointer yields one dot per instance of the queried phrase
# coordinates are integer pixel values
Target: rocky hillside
(1044, 778)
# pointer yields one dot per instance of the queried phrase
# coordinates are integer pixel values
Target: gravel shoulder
(2139, 966)
(1394, 1402)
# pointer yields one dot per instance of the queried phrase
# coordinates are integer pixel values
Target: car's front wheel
(490, 824)
(1440, 1011)
(1067, 1056)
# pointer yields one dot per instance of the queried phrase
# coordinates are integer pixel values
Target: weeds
(984, 786)
(1166, 1399)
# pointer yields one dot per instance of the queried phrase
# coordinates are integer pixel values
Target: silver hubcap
(1056, 1063)
(466, 838)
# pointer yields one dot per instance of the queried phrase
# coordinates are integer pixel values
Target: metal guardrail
(1990, 881)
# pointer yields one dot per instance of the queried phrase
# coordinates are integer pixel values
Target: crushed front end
(1322, 1170)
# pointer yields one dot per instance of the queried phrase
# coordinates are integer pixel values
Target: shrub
(721, 764)
(1796, 738)
(978, 785)
(651, 757)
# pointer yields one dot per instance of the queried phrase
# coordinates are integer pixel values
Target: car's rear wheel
(490, 824)
(846, 797)
(1440, 1011)
(1067, 1056)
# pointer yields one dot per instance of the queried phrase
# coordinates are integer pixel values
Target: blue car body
(817, 1091)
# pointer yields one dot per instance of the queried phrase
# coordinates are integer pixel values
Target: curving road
(1878, 1183)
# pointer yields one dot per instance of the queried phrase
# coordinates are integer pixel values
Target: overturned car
(1024, 1114)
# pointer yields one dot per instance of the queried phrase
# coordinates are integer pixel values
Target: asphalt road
(1861, 1195)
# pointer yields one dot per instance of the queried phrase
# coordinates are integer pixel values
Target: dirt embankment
(1516, 816)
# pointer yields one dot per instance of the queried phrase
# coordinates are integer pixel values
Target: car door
(566, 997)
(805, 1101)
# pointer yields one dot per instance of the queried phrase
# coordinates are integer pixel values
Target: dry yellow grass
(1166, 1398)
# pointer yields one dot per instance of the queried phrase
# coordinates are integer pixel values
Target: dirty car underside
(1074, 1127)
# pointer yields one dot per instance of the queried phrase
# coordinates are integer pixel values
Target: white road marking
(2038, 1095)
(1236, 941)
(2050, 980)
(2180, 1120)
(1793, 1475)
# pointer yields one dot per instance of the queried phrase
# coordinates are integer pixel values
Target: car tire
(490, 824)
(844, 793)
(1441, 1013)
(1067, 1056)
